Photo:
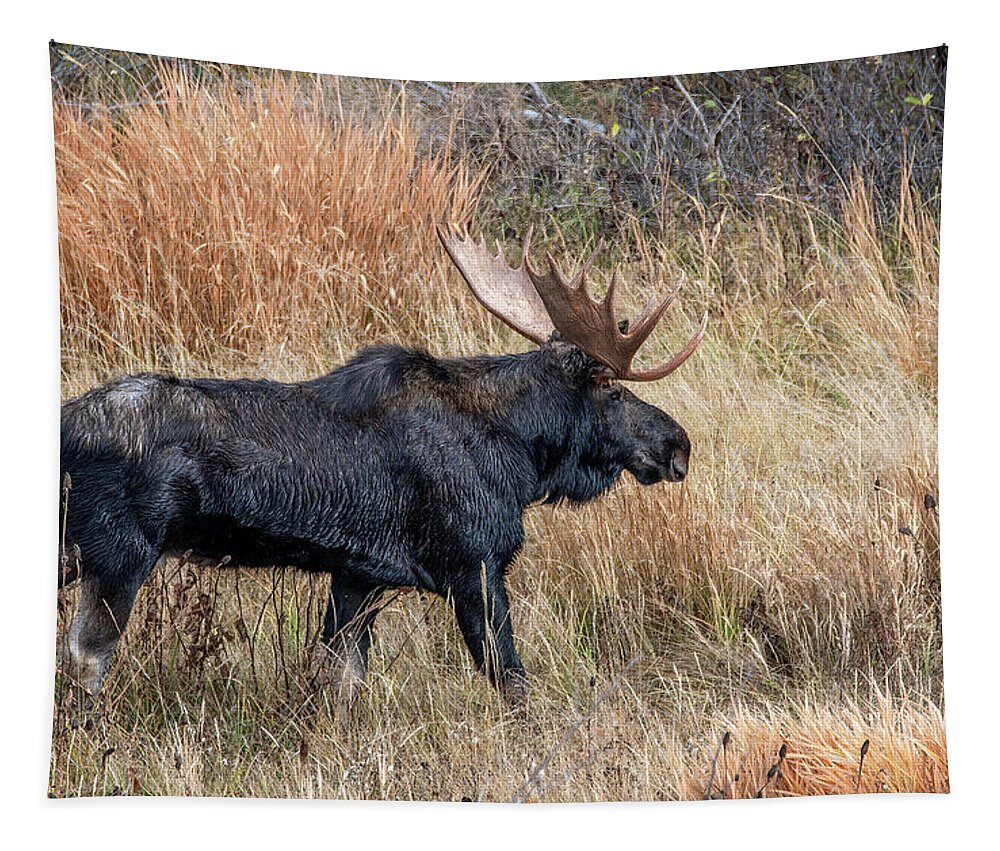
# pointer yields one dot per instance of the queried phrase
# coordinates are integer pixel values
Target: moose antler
(534, 305)
(507, 293)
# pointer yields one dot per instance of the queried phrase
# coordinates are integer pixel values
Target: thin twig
(817, 145)
(532, 782)
(409, 635)
(540, 95)
(112, 107)
(694, 106)
(441, 90)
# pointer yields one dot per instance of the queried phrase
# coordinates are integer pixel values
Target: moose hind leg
(483, 614)
(105, 604)
(347, 631)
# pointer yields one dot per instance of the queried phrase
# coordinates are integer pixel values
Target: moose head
(549, 309)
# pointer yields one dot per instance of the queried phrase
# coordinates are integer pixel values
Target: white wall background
(506, 40)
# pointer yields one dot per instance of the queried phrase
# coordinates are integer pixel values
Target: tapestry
(526, 442)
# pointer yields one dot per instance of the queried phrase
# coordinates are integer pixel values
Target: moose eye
(616, 394)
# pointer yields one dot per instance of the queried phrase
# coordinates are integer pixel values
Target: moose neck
(557, 422)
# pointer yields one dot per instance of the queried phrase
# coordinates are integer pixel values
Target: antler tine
(650, 316)
(580, 279)
(592, 326)
(525, 246)
(675, 361)
(607, 303)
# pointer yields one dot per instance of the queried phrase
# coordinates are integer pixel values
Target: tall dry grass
(788, 592)
(226, 220)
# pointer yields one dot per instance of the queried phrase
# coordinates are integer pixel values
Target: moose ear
(574, 363)
(600, 374)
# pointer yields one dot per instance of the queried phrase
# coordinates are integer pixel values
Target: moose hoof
(515, 691)
(343, 672)
(84, 711)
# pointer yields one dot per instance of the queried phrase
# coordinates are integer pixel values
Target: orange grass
(220, 221)
(906, 753)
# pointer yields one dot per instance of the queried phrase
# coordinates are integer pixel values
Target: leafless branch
(533, 782)
(694, 106)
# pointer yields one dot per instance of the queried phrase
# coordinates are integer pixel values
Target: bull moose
(397, 469)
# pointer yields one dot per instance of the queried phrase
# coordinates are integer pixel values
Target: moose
(398, 469)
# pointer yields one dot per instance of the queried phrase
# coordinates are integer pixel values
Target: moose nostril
(678, 465)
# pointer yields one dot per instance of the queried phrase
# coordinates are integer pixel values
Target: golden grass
(788, 592)
(220, 221)
(906, 750)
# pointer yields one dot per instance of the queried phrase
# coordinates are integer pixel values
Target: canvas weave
(338, 520)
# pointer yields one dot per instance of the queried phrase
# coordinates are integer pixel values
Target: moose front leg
(347, 631)
(483, 613)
